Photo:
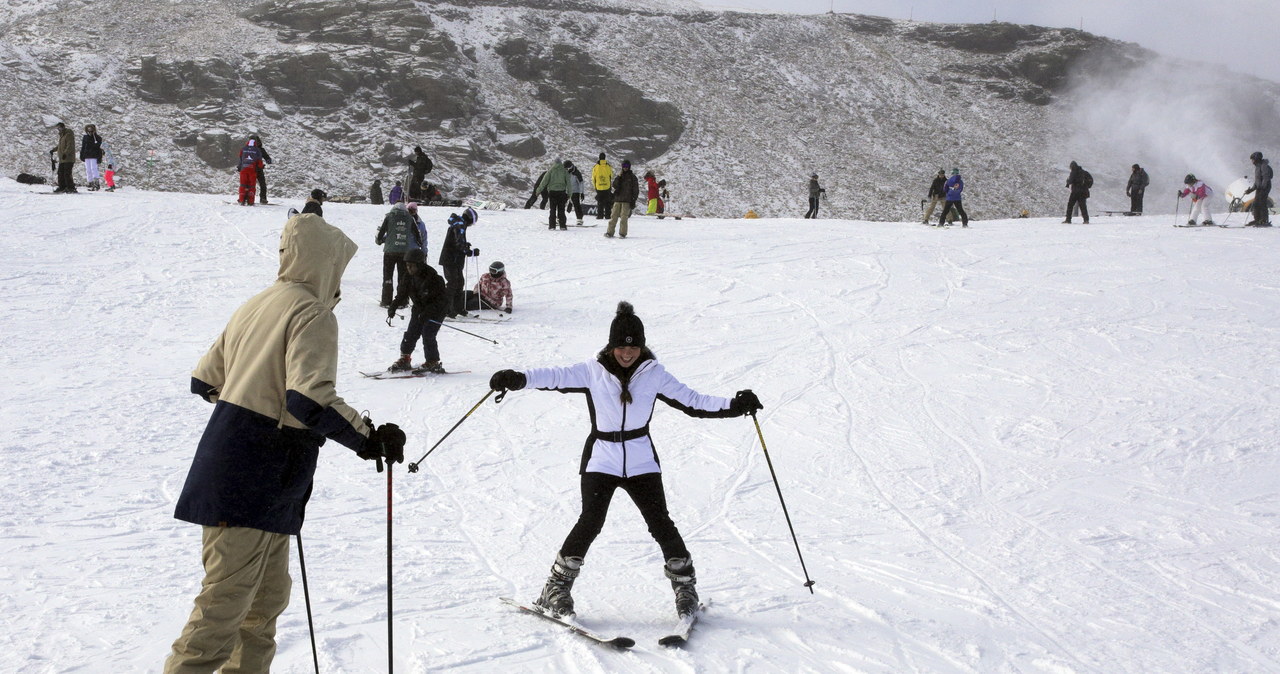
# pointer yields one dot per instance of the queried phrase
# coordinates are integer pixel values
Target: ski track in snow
(1017, 447)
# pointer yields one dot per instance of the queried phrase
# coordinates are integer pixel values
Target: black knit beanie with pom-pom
(626, 329)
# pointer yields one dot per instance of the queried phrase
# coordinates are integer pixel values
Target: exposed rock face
(217, 148)
(593, 98)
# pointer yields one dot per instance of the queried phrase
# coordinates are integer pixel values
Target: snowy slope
(1023, 446)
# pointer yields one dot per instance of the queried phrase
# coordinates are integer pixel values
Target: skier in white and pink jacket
(1200, 194)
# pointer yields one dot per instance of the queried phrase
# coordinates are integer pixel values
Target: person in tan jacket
(270, 376)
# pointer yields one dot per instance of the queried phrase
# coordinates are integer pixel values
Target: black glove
(387, 441)
(475, 252)
(745, 402)
(507, 380)
(1249, 191)
(391, 312)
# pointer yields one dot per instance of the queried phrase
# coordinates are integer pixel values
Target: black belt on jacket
(620, 436)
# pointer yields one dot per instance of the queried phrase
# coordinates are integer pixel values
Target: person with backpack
(427, 291)
(1078, 181)
(1136, 187)
(622, 384)
(250, 162)
(1261, 191)
(397, 235)
(1200, 194)
(602, 181)
(954, 188)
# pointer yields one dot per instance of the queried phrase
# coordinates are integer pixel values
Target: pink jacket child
(1200, 193)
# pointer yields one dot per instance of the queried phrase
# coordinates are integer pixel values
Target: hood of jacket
(315, 254)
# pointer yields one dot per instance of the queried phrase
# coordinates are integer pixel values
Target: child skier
(493, 291)
(110, 176)
(622, 384)
(425, 287)
(651, 192)
(1200, 193)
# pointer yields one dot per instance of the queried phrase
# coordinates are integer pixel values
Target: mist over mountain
(735, 110)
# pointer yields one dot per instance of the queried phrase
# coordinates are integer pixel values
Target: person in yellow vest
(602, 181)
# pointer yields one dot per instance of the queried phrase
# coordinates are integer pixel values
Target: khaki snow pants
(621, 212)
(245, 588)
(934, 203)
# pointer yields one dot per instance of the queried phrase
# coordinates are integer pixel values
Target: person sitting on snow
(493, 291)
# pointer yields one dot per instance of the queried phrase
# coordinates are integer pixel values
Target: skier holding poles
(623, 383)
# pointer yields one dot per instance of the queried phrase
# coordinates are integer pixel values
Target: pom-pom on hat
(626, 329)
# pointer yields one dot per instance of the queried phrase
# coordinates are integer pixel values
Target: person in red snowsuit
(651, 183)
(250, 163)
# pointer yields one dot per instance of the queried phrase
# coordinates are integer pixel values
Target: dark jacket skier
(815, 195)
(626, 189)
(430, 303)
(1136, 187)
(397, 235)
(91, 153)
(1078, 181)
(422, 165)
(954, 188)
(453, 257)
(375, 193)
(1261, 190)
(66, 155)
(262, 171)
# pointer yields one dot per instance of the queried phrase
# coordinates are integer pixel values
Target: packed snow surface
(1018, 447)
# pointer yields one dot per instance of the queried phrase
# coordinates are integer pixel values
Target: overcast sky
(1242, 34)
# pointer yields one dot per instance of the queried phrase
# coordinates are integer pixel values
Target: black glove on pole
(413, 467)
(808, 583)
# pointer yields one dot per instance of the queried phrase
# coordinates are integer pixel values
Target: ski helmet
(470, 216)
(1191, 178)
(497, 269)
(415, 256)
(1255, 157)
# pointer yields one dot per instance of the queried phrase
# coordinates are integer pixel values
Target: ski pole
(463, 331)
(413, 467)
(808, 583)
(1177, 207)
(306, 595)
(391, 662)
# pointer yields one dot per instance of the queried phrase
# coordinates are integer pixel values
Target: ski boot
(683, 579)
(1208, 223)
(431, 367)
(1191, 223)
(564, 228)
(555, 597)
(579, 222)
(401, 365)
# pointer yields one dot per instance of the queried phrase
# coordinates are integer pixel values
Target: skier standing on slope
(397, 235)
(937, 195)
(1136, 187)
(555, 184)
(622, 384)
(425, 287)
(453, 258)
(91, 153)
(651, 193)
(1200, 194)
(262, 169)
(575, 190)
(815, 194)
(250, 161)
(270, 377)
(955, 199)
(626, 189)
(65, 152)
(602, 181)
(1078, 181)
(1261, 191)
(422, 165)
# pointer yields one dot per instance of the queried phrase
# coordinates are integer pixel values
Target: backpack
(1086, 179)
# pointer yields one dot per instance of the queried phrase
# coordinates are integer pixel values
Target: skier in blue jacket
(954, 189)
(622, 384)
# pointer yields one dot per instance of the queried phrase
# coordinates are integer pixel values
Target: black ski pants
(813, 208)
(576, 202)
(604, 204)
(1261, 212)
(1135, 199)
(556, 212)
(262, 186)
(1078, 199)
(453, 282)
(65, 182)
(392, 263)
(426, 327)
(959, 208)
(645, 491)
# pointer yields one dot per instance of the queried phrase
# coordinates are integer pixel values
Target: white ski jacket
(619, 443)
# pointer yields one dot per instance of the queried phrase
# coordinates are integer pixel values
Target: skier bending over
(1200, 194)
(622, 385)
(425, 287)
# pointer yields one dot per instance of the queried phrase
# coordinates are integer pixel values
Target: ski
(680, 634)
(476, 318)
(616, 642)
(409, 374)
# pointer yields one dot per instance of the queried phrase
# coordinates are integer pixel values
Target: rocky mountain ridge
(734, 110)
